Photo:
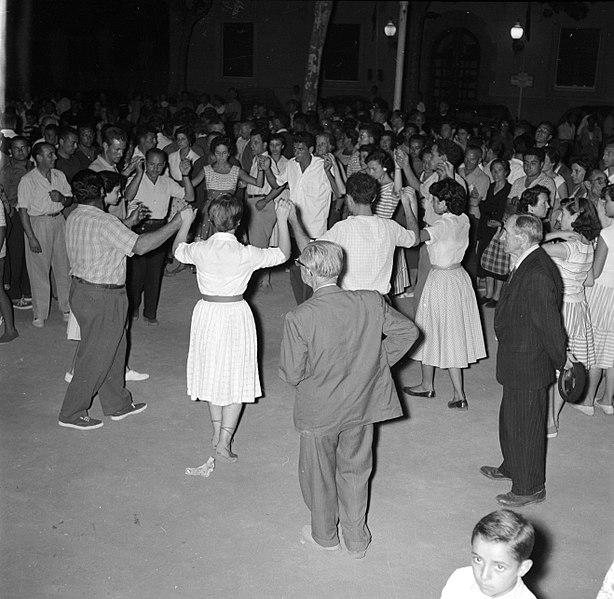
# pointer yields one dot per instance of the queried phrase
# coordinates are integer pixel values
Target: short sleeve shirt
(97, 244)
(33, 192)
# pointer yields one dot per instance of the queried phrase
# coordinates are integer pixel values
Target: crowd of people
(369, 206)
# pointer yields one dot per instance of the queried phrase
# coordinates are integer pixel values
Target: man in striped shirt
(98, 244)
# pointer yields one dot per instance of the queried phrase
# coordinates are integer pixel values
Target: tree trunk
(321, 17)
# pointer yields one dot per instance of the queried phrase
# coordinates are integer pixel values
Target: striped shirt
(97, 244)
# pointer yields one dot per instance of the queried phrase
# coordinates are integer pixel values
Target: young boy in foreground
(501, 544)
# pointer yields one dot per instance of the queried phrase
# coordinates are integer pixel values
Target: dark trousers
(302, 292)
(15, 271)
(101, 357)
(145, 275)
(334, 472)
(522, 435)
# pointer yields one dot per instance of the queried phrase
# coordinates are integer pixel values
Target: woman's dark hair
(587, 223)
(111, 180)
(352, 135)
(87, 187)
(384, 159)
(452, 193)
(221, 140)
(366, 148)
(530, 196)
(188, 132)
(225, 212)
(583, 162)
(504, 163)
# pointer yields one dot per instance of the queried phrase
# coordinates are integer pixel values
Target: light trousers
(50, 233)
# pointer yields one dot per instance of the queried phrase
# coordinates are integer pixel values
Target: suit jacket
(337, 349)
(529, 326)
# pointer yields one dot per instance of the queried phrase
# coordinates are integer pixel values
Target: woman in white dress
(601, 304)
(573, 255)
(222, 366)
(447, 313)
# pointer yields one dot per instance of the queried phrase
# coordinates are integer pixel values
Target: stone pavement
(111, 513)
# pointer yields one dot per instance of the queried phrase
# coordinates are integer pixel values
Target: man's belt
(99, 285)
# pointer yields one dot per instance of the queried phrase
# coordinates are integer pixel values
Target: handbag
(495, 259)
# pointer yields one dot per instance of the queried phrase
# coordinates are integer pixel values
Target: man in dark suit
(337, 351)
(532, 344)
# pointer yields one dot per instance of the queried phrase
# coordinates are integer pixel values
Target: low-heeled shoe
(458, 404)
(429, 394)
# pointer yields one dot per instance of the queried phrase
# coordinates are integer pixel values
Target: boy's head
(501, 544)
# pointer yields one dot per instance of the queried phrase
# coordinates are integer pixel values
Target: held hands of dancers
(185, 166)
(284, 209)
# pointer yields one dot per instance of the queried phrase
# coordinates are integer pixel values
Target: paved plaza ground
(111, 513)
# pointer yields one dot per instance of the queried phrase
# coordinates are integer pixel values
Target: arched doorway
(455, 66)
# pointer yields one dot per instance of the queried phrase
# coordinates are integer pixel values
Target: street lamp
(390, 29)
(516, 31)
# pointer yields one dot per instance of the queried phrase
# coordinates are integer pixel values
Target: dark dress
(492, 208)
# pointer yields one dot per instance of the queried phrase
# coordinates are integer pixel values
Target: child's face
(495, 568)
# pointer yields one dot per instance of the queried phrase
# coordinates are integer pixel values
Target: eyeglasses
(299, 263)
(599, 180)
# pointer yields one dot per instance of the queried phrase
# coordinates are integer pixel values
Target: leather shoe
(459, 404)
(512, 500)
(493, 473)
(429, 394)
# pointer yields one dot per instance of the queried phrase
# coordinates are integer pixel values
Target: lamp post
(390, 30)
(521, 80)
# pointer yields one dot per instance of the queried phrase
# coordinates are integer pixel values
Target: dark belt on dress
(256, 195)
(50, 215)
(222, 299)
(99, 285)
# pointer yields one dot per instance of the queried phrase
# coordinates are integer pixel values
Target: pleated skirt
(601, 306)
(577, 321)
(222, 363)
(449, 319)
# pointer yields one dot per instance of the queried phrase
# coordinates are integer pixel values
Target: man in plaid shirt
(98, 244)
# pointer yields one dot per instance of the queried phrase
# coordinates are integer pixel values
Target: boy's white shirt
(462, 585)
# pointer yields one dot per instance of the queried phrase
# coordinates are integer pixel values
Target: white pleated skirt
(449, 319)
(222, 360)
(601, 306)
(577, 321)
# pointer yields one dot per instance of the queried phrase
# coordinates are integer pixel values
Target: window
(576, 64)
(455, 66)
(238, 50)
(341, 52)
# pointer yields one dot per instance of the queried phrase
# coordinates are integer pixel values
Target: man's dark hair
(452, 193)
(87, 187)
(452, 151)
(304, 137)
(506, 526)
(156, 152)
(51, 127)
(18, 138)
(66, 131)
(37, 149)
(265, 136)
(537, 152)
(362, 188)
